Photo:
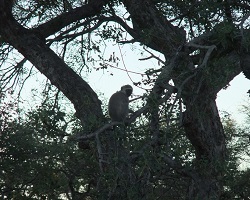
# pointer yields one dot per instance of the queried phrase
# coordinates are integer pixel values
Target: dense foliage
(174, 146)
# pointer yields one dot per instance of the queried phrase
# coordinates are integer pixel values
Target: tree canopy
(175, 145)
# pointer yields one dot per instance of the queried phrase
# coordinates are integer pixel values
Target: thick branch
(222, 61)
(154, 30)
(56, 24)
(85, 100)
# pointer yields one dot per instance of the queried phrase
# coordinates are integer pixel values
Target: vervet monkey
(118, 104)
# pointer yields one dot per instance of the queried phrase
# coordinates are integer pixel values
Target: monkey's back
(118, 106)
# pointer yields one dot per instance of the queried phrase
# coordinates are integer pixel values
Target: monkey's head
(127, 89)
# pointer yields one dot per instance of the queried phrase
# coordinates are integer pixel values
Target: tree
(204, 45)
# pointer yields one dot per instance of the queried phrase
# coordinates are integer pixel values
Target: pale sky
(234, 97)
(229, 100)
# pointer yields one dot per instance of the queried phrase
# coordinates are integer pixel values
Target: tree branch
(54, 25)
(153, 28)
(84, 99)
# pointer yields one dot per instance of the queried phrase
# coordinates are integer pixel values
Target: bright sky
(229, 100)
(104, 84)
(234, 97)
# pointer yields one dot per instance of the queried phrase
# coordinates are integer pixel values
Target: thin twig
(208, 53)
(99, 131)
(152, 56)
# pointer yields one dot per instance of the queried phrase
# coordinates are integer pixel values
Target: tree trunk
(204, 130)
(202, 125)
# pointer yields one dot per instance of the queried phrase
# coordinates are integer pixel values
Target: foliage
(39, 159)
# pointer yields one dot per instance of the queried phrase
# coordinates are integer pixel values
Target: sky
(105, 83)
(232, 98)
(229, 100)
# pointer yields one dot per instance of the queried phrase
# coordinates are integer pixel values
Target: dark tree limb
(152, 27)
(32, 47)
(54, 25)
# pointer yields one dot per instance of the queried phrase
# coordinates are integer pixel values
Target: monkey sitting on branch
(118, 106)
(118, 109)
